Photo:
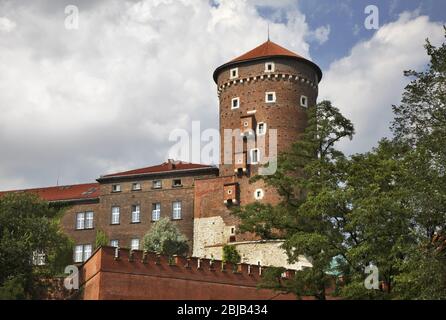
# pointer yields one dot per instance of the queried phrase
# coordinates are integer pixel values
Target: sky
(76, 103)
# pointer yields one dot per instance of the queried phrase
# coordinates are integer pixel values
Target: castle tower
(264, 89)
(262, 93)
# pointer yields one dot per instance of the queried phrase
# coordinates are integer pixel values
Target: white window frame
(177, 185)
(114, 243)
(305, 105)
(78, 253)
(134, 244)
(88, 249)
(39, 258)
(176, 210)
(136, 213)
(134, 184)
(232, 103)
(89, 220)
(273, 93)
(231, 76)
(156, 211)
(80, 221)
(116, 212)
(273, 67)
(257, 196)
(157, 184)
(251, 152)
(116, 188)
(264, 128)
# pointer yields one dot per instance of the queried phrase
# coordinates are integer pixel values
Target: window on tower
(304, 101)
(254, 156)
(235, 103)
(270, 97)
(261, 128)
(269, 67)
(233, 73)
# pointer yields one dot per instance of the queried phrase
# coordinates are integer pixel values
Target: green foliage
(101, 239)
(231, 255)
(27, 225)
(13, 289)
(165, 238)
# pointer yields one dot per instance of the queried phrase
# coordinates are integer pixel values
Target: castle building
(263, 97)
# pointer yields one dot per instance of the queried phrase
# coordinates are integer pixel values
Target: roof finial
(268, 31)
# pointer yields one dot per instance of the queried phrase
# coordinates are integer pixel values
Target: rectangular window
(136, 214)
(134, 245)
(116, 188)
(176, 210)
(233, 73)
(270, 97)
(304, 101)
(89, 220)
(235, 103)
(87, 251)
(78, 253)
(269, 67)
(255, 156)
(157, 184)
(114, 243)
(80, 221)
(176, 183)
(136, 186)
(38, 258)
(115, 215)
(261, 128)
(156, 211)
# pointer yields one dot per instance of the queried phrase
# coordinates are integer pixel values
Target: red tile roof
(266, 49)
(64, 193)
(168, 166)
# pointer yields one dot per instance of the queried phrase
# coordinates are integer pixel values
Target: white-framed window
(235, 103)
(156, 211)
(89, 217)
(157, 184)
(115, 215)
(304, 101)
(261, 128)
(136, 216)
(254, 156)
(136, 186)
(232, 231)
(78, 253)
(80, 221)
(176, 183)
(87, 251)
(269, 67)
(258, 194)
(270, 97)
(38, 258)
(114, 243)
(233, 73)
(134, 244)
(176, 210)
(82, 252)
(116, 188)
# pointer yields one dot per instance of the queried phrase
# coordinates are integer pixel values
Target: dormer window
(235, 103)
(270, 97)
(304, 101)
(269, 67)
(233, 73)
(136, 186)
(116, 188)
(261, 128)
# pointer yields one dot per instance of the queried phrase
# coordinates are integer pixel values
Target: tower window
(270, 97)
(304, 101)
(235, 103)
(255, 156)
(233, 73)
(269, 67)
(258, 194)
(261, 128)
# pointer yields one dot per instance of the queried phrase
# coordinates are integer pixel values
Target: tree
(231, 255)
(29, 226)
(101, 239)
(165, 238)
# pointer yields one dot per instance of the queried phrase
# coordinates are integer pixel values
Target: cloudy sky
(78, 103)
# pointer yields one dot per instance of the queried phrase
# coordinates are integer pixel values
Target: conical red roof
(266, 49)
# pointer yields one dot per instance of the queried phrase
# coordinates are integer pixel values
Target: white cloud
(370, 79)
(79, 103)
(6, 25)
(321, 34)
